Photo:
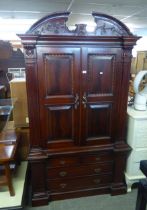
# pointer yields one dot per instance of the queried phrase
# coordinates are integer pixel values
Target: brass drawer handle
(76, 101)
(63, 185)
(63, 173)
(62, 162)
(97, 181)
(97, 170)
(97, 158)
(84, 100)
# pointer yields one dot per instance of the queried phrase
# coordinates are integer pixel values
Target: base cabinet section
(63, 176)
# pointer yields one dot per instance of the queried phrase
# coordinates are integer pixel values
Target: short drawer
(99, 168)
(63, 161)
(99, 157)
(86, 182)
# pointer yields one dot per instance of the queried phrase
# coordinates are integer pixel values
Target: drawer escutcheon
(63, 173)
(62, 162)
(63, 185)
(97, 170)
(97, 181)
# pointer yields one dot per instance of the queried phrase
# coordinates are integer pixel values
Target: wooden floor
(14, 202)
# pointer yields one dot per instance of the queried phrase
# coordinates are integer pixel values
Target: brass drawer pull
(84, 100)
(62, 162)
(76, 101)
(97, 158)
(97, 181)
(63, 185)
(97, 170)
(63, 173)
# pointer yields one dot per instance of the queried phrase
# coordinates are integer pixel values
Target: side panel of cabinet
(59, 78)
(100, 95)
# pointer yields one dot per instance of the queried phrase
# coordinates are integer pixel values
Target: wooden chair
(142, 188)
(7, 153)
(9, 141)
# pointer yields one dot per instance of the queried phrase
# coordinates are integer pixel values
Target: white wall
(141, 46)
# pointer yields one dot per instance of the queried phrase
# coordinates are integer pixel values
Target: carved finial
(81, 30)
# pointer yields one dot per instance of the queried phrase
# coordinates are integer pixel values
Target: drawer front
(76, 160)
(87, 182)
(63, 161)
(80, 170)
(99, 157)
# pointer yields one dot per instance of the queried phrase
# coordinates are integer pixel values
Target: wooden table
(7, 153)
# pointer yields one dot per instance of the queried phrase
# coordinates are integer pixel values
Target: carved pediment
(109, 26)
(55, 24)
(51, 25)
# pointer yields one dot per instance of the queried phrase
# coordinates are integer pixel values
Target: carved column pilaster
(32, 93)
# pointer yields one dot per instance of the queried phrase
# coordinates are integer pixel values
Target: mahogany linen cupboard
(77, 86)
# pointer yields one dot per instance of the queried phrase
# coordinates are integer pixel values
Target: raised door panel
(58, 72)
(60, 122)
(99, 120)
(100, 74)
(100, 93)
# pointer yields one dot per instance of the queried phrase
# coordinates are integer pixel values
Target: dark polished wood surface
(9, 141)
(77, 85)
(7, 153)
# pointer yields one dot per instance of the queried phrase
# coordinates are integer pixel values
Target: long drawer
(55, 173)
(68, 160)
(86, 182)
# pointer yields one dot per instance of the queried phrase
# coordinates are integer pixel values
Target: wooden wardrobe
(77, 86)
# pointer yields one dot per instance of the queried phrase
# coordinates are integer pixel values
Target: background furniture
(77, 85)
(142, 188)
(2, 91)
(9, 58)
(137, 140)
(20, 110)
(141, 60)
(9, 142)
(7, 153)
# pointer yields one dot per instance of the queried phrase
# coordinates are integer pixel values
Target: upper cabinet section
(55, 24)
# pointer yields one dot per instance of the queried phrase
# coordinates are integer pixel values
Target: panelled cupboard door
(100, 94)
(59, 80)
